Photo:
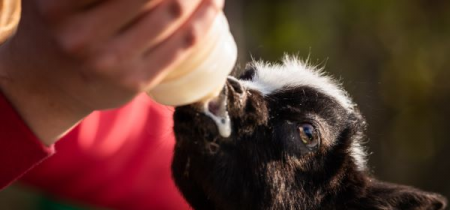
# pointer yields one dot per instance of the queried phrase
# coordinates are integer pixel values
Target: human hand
(86, 55)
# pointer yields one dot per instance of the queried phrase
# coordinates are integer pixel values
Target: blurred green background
(392, 56)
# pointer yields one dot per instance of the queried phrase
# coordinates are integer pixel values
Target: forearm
(48, 119)
(53, 71)
(46, 111)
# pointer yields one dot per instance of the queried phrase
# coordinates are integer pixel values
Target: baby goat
(295, 144)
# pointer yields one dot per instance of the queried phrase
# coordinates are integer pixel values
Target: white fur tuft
(293, 72)
(359, 155)
(270, 78)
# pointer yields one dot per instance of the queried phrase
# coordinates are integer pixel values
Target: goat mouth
(216, 109)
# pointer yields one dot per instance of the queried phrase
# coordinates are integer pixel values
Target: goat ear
(390, 196)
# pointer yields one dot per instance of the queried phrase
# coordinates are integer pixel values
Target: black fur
(265, 165)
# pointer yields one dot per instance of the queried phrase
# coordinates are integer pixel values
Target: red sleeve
(20, 149)
(117, 159)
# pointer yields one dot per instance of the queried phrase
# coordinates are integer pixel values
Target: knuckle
(101, 64)
(107, 62)
(73, 43)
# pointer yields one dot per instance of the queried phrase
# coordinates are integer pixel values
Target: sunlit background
(392, 56)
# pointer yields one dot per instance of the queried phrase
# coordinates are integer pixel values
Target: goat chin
(294, 143)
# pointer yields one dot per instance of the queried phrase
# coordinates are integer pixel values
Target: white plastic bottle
(203, 74)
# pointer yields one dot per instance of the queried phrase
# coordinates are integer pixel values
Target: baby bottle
(202, 75)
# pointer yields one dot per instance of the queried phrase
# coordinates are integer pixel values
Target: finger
(156, 63)
(87, 31)
(56, 10)
(152, 29)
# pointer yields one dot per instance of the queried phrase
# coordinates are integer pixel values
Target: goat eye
(309, 135)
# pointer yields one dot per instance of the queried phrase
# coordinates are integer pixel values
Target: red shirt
(118, 159)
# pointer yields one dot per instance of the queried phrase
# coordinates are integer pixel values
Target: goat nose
(235, 84)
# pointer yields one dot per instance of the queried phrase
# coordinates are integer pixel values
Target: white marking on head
(270, 78)
(293, 72)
